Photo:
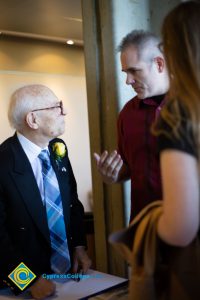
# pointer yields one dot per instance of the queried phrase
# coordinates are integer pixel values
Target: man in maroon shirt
(137, 158)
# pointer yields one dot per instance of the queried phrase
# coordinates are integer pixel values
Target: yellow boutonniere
(59, 150)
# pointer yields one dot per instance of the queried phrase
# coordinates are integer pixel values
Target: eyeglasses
(60, 105)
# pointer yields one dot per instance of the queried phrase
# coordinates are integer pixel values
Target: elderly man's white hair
(24, 100)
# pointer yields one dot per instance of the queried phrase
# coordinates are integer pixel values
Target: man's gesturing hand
(109, 166)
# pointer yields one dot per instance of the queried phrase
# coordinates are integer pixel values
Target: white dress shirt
(32, 151)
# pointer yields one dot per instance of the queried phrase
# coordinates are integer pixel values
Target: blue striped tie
(60, 258)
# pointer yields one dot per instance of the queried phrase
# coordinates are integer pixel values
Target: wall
(36, 56)
(158, 10)
(62, 69)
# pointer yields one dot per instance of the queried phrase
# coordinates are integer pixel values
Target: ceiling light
(70, 42)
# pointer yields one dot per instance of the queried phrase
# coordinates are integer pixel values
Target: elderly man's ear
(31, 120)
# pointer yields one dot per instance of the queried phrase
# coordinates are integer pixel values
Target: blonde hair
(181, 44)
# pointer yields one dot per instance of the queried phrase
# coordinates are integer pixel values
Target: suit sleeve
(10, 258)
(76, 213)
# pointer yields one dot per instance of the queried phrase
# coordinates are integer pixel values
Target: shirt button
(71, 205)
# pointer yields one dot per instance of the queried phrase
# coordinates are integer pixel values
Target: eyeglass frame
(161, 47)
(60, 105)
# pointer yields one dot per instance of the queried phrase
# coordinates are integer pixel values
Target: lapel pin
(63, 169)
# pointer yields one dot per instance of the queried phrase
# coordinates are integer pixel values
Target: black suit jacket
(24, 233)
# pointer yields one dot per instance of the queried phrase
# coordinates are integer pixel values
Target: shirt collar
(153, 101)
(32, 150)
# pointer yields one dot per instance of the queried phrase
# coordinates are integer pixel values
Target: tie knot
(44, 156)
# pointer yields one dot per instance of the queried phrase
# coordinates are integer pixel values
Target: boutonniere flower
(59, 151)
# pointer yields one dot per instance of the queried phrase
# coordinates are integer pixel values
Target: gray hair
(144, 41)
(24, 100)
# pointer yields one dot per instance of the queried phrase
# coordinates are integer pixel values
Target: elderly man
(137, 158)
(41, 218)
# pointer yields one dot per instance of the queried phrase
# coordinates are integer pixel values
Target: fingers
(81, 261)
(97, 158)
(86, 264)
(106, 160)
(109, 165)
(42, 288)
(75, 266)
(117, 168)
(100, 159)
(104, 157)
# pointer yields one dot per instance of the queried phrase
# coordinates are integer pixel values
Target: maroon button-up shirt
(138, 149)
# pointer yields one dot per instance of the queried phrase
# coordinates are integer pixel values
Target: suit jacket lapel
(64, 186)
(27, 186)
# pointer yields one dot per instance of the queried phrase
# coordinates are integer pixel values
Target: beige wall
(62, 69)
(31, 56)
